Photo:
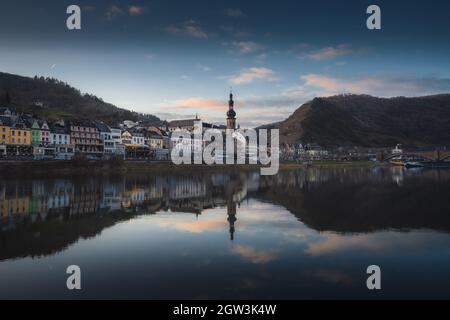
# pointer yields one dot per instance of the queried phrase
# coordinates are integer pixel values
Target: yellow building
(5, 125)
(19, 135)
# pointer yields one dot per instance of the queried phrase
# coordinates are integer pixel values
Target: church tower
(231, 114)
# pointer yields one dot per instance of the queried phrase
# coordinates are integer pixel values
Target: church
(231, 114)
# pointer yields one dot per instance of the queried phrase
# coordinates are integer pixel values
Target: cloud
(53, 66)
(213, 110)
(194, 226)
(254, 255)
(386, 86)
(381, 242)
(185, 77)
(333, 276)
(189, 28)
(135, 10)
(204, 68)
(234, 13)
(114, 11)
(198, 103)
(250, 75)
(330, 53)
(247, 46)
(262, 109)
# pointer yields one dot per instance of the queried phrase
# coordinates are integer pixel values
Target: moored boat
(427, 164)
(397, 162)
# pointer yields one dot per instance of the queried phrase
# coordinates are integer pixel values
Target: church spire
(231, 114)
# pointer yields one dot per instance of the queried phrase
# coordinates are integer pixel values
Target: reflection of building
(231, 211)
(85, 199)
(112, 196)
(14, 200)
(186, 187)
(63, 199)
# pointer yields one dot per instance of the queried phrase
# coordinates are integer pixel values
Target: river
(301, 234)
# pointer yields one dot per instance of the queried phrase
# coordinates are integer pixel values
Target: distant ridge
(366, 121)
(53, 99)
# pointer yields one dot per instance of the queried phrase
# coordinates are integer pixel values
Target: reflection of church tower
(231, 210)
(231, 114)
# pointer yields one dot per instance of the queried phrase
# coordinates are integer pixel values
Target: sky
(178, 58)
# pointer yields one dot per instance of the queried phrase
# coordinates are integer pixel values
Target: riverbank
(86, 167)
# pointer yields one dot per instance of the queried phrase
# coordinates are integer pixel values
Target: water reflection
(307, 233)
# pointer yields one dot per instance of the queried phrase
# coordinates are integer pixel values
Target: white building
(112, 139)
(116, 135)
(60, 140)
(138, 139)
(58, 136)
(106, 136)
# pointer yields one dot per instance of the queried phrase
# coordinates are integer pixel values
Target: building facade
(59, 135)
(35, 133)
(86, 138)
(45, 134)
(138, 139)
(19, 135)
(109, 146)
(154, 140)
(60, 140)
(5, 126)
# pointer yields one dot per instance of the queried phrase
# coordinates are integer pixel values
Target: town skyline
(148, 57)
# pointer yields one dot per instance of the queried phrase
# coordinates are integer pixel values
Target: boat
(397, 150)
(399, 159)
(398, 162)
(427, 164)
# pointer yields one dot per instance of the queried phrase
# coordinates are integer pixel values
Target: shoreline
(85, 167)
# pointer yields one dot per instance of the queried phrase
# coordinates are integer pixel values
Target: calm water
(302, 234)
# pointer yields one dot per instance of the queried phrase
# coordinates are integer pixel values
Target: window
(13, 133)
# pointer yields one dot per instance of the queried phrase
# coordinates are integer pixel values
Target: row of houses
(22, 136)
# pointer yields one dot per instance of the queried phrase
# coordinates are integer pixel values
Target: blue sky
(177, 58)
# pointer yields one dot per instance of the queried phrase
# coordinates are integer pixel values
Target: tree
(7, 98)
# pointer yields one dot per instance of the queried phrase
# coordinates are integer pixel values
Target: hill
(366, 121)
(53, 99)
